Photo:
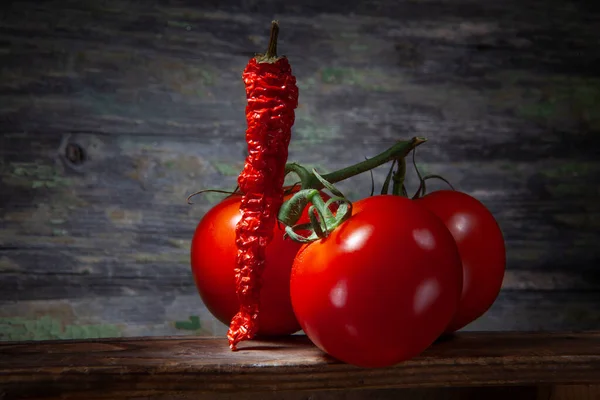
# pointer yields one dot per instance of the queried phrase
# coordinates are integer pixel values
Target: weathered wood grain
(570, 392)
(152, 367)
(147, 102)
(84, 220)
(133, 191)
(501, 74)
(162, 313)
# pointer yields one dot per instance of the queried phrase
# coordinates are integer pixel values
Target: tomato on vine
(381, 287)
(481, 246)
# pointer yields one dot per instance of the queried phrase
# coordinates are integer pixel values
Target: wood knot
(75, 154)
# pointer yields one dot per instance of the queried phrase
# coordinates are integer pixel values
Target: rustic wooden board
(507, 93)
(153, 367)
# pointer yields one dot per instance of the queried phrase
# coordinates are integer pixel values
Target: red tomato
(213, 259)
(382, 287)
(481, 247)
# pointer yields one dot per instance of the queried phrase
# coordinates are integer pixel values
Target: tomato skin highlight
(481, 246)
(382, 287)
(213, 259)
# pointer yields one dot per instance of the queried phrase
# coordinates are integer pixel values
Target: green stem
(388, 178)
(322, 220)
(397, 151)
(305, 176)
(399, 177)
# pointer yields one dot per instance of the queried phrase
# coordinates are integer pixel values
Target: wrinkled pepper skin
(272, 97)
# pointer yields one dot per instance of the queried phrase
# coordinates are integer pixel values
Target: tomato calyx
(322, 219)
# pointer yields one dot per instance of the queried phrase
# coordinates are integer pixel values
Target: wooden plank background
(508, 93)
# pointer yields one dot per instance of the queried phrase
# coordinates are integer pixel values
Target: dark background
(112, 112)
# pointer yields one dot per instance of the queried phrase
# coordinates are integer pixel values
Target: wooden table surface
(150, 367)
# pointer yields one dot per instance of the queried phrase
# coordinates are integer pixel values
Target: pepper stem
(271, 55)
(272, 49)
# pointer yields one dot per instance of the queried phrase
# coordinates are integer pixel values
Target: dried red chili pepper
(272, 96)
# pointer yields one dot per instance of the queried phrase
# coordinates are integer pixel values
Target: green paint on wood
(179, 24)
(543, 110)
(8, 265)
(368, 79)
(571, 177)
(566, 98)
(154, 258)
(306, 83)
(561, 100)
(308, 129)
(566, 189)
(583, 220)
(48, 328)
(310, 133)
(358, 47)
(228, 169)
(341, 76)
(210, 198)
(59, 232)
(349, 35)
(571, 169)
(120, 216)
(180, 243)
(512, 169)
(192, 324)
(34, 175)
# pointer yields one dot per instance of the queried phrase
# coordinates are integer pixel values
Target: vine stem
(398, 188)
(398, 151)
